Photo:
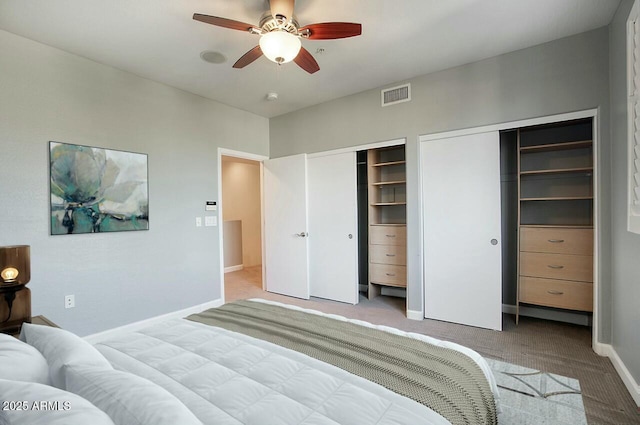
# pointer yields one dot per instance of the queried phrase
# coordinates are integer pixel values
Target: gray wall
(625, 249)
(561, 76)
(232, 242)
(117, 278)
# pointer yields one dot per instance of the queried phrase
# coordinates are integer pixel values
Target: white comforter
(226, 378)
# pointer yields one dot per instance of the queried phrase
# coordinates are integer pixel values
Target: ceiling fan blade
(306, 61)
(248, 57)
(332, 30)
(282, 7)
(223, 22)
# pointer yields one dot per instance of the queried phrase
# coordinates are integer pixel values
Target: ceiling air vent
(396, 95)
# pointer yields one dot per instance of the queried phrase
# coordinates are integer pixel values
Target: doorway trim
(242, 155)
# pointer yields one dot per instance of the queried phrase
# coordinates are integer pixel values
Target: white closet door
(333, 224)
(461, 213)
(285, 226)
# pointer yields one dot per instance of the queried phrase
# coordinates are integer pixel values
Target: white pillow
(128, 399)
(61, 348)
(29, 403)
(22, 362)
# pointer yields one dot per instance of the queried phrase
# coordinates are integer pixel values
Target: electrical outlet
(69, 301)
(198, 221)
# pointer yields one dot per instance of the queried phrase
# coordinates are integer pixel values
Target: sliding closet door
(285, 226)
(333, 225)
(461, 213)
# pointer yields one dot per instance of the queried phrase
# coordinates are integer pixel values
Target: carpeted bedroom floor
(553, 347)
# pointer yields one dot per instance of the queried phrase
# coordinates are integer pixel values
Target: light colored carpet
(553, 347)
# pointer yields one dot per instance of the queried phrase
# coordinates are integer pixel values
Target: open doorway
(241, 256)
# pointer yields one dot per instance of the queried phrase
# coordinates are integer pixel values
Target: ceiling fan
(280, 35)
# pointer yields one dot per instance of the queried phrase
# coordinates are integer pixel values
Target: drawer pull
(390, 274)
(390, 236)
(391, 255)
(556, 240)
(554, 266)
(554, 292)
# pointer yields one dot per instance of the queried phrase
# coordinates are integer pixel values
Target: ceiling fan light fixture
(280, 46)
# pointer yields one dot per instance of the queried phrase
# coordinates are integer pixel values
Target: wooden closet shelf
(389, 183)
(558, 226)
(556, 146)
(556, 195)
(384, 164)
(559, 198)
(557, 171)
(386, 179)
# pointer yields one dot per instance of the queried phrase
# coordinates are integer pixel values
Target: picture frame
(97, 190)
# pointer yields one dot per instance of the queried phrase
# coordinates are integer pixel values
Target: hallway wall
(241, 200)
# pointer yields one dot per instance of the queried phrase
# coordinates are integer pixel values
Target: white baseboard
(601, 349)
(621, 368)
(233, 268)
(415, 315)
(93, 338)
(541, 313)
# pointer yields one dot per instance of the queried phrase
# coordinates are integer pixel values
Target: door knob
(302, 234)
(494, 242)
(350, 236)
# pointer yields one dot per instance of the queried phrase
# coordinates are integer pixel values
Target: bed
(258, 362)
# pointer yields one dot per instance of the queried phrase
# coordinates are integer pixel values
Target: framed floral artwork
(95, 190)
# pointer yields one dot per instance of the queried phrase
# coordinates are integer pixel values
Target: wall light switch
(198, 221)
(210, 220)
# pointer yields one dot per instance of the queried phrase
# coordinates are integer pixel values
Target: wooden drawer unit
(388, 274)
(388, 254)
(557, 266)
(388, 235)
(387, 258)
(556, 240)
(557, 293)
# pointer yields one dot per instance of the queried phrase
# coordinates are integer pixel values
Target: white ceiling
(159, 40)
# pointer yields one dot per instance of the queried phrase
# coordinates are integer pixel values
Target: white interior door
(333, 225)
(285, 226)
(461, 213)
